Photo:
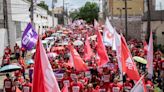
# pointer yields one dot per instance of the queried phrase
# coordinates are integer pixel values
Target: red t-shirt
(103, 88)
(66, 81)
(17, 73)
(7, 51)
(27, 87)
(115, 87)
(83, 80)
(149, 85)
(127, 86)
(8, 85)
(76, 87)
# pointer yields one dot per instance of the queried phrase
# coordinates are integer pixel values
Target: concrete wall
(3, 40)
(135, 7)
(158, 28)
(134, 27)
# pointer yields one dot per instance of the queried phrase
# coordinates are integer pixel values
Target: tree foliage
(88, 12)
(43, 5)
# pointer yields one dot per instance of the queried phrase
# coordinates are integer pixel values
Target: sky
(72, 4)
(75, 4)
(159, 4)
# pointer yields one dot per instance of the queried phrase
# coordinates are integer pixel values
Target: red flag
(65, 89)
(87, 50)
(145, 46)
(44, 79)
(150, 56)
(101, 50)
(78, 63)
(128, 65)
(18, 90)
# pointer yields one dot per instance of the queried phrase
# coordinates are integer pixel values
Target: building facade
(18, 18)
(134, 7)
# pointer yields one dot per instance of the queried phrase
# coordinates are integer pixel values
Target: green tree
(74, 15)
(88, 12)
(43, 5)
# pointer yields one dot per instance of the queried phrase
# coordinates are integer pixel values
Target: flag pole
(138, 82)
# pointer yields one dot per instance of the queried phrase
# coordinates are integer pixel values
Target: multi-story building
(115, 10)
(18, 15)
(156, 19)
(134, 7)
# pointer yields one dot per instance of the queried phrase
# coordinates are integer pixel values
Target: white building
(19, 17)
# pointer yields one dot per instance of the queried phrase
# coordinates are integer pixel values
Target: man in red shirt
(6, 60)
(103, 87)
(76, 86)
(66, 80)
(7, 50)
(8, 84)
(115, 86)
(127, 85)
(27, 87)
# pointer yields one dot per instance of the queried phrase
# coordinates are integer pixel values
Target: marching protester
(85, 58)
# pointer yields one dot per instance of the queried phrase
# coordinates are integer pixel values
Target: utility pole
(32, 12)
(63, 11)
(5, 12)
(126, 20)
(53, 13)
(148, 21)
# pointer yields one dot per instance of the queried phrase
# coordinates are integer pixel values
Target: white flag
(108, 34)
(150, 57)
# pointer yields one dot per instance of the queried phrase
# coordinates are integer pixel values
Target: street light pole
(126, 21)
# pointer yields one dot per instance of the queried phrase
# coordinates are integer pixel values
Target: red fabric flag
(150, 56)
(65, 89)
(101, 49)
(78, 63)
(44, 79)
(145, 46)
(18, 90)
(128, 65)
(87, 50)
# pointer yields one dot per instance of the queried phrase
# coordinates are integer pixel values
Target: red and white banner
(108, 35)
(44, 79)
(128, 65)
(101, 50)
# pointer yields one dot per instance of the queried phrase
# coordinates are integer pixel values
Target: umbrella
(140, 59)
(10, 68)
(30, 61)
(63, 43)
(77, 43)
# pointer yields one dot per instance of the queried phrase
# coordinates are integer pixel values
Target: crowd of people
(96, 79)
